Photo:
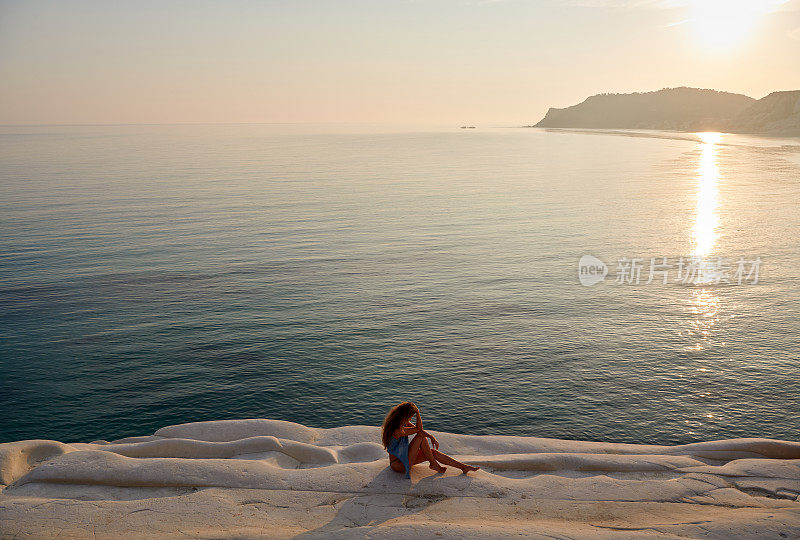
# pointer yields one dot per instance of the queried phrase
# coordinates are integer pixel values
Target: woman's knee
(420, 439)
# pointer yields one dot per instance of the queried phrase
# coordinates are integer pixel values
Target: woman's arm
(422, 432)
(434, 442)
(408, 429)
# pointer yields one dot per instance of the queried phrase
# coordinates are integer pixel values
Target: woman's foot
(468, 468)
(438, 468)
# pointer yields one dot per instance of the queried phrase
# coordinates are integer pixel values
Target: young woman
(402, 454)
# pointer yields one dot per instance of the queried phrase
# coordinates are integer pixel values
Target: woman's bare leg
(419, 450)
(441, 457)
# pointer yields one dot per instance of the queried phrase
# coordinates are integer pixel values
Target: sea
(627, 286)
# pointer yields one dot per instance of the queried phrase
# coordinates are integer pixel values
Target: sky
(432, 62)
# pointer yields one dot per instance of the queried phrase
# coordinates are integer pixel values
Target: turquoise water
(153, 275)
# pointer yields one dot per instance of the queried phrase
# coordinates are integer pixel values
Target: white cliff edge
(274, 479)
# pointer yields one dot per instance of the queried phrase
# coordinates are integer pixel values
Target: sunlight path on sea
(705, 302)
(705, 228)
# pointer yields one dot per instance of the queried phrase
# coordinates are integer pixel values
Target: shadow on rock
(388, 496)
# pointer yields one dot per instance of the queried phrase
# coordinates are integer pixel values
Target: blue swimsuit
(399, 449)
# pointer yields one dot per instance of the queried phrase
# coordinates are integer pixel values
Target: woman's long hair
(397, 417)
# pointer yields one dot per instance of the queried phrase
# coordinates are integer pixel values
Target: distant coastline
(683, 109)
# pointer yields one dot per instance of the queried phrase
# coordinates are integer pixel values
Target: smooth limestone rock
(234, 430)
(266, 478)
(17, 458)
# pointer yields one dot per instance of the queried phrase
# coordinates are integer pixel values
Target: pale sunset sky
(490, 62)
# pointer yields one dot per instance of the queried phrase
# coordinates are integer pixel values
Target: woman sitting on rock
(403, 454)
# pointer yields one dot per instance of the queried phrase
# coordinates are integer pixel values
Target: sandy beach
(274, 479)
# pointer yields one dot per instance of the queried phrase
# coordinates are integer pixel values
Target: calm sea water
(153, 275)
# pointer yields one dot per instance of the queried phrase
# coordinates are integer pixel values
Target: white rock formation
(273, 479)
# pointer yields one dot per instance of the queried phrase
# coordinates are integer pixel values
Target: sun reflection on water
(705, 227)
(704, 306)
(704, 303)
